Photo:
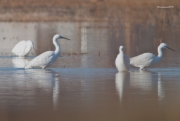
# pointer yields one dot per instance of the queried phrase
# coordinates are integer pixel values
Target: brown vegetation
(76, 10)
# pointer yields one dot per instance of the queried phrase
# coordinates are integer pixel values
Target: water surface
(87, 92)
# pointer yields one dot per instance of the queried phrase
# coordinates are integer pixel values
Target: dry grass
(76, 10)
(52, 3)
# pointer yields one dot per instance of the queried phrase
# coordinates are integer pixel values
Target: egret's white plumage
(23, 48)
(122, 60)
(148, 59)
(47, 58)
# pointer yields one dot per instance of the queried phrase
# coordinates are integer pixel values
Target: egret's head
(164, 45)
(31, 44)
(121, 48)
(57, 36)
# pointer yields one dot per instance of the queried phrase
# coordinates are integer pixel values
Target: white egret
(47, 58)
(122, 61)
(23, 48)
(148, 59)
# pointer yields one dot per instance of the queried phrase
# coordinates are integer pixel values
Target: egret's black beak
(34, 50)
(171, 49)
(64, 38)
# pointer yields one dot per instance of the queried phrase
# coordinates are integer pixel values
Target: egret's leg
(142, 68)
(44, 67)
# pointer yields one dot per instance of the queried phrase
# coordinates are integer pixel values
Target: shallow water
(86, 90)
(83, 84)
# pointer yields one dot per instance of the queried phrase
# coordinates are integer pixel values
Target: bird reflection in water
(19, 62)
(121, 77)
(144, 82)
(160, 88)
(49, 80)
(56, 90)
(32, 88)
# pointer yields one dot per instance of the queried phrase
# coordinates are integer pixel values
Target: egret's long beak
(34, 50)
(64, 38)
(171, 49)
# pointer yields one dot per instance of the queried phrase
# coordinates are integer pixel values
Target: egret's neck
(121, 52)
(57, 46)
(160, 53)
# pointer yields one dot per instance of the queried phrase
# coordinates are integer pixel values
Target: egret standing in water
(47, 58)
(23, 48)
(148, 59)
(122, 60)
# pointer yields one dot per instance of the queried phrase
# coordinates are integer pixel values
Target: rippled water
(87, 91)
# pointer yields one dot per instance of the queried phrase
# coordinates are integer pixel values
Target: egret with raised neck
(148, 59)
(47, 58)
(122, 61)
